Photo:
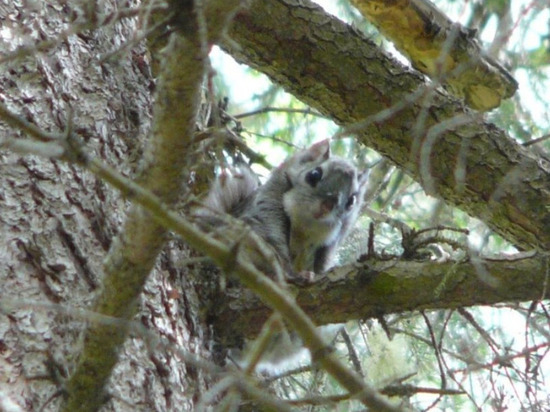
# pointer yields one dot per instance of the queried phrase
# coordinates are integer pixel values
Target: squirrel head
(325, 194)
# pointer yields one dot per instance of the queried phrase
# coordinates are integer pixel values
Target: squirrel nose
(328, 204)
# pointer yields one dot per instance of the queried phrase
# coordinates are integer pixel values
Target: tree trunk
(59, 221)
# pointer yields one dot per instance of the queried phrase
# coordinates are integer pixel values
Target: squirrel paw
(302, 278)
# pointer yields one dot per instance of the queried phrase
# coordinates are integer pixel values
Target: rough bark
(450, 150)
(58, 221)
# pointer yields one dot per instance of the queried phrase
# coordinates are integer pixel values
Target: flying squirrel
(304, 210)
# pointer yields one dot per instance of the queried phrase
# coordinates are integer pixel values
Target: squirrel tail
(231, 191)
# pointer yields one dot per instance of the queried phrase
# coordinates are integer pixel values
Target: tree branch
(338, 71)
(383, 287)
(133, 254)
(443, 50)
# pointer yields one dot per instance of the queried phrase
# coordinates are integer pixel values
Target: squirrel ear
(320, 150)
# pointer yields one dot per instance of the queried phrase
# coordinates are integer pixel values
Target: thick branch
(338, 71)
(441, 49)
(380, 288)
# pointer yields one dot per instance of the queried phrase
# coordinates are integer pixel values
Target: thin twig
(270, 109)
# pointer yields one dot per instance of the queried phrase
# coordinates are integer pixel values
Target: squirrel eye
(314, 176)
(351, 201)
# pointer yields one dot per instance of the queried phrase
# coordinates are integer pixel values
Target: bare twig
(269, 109)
